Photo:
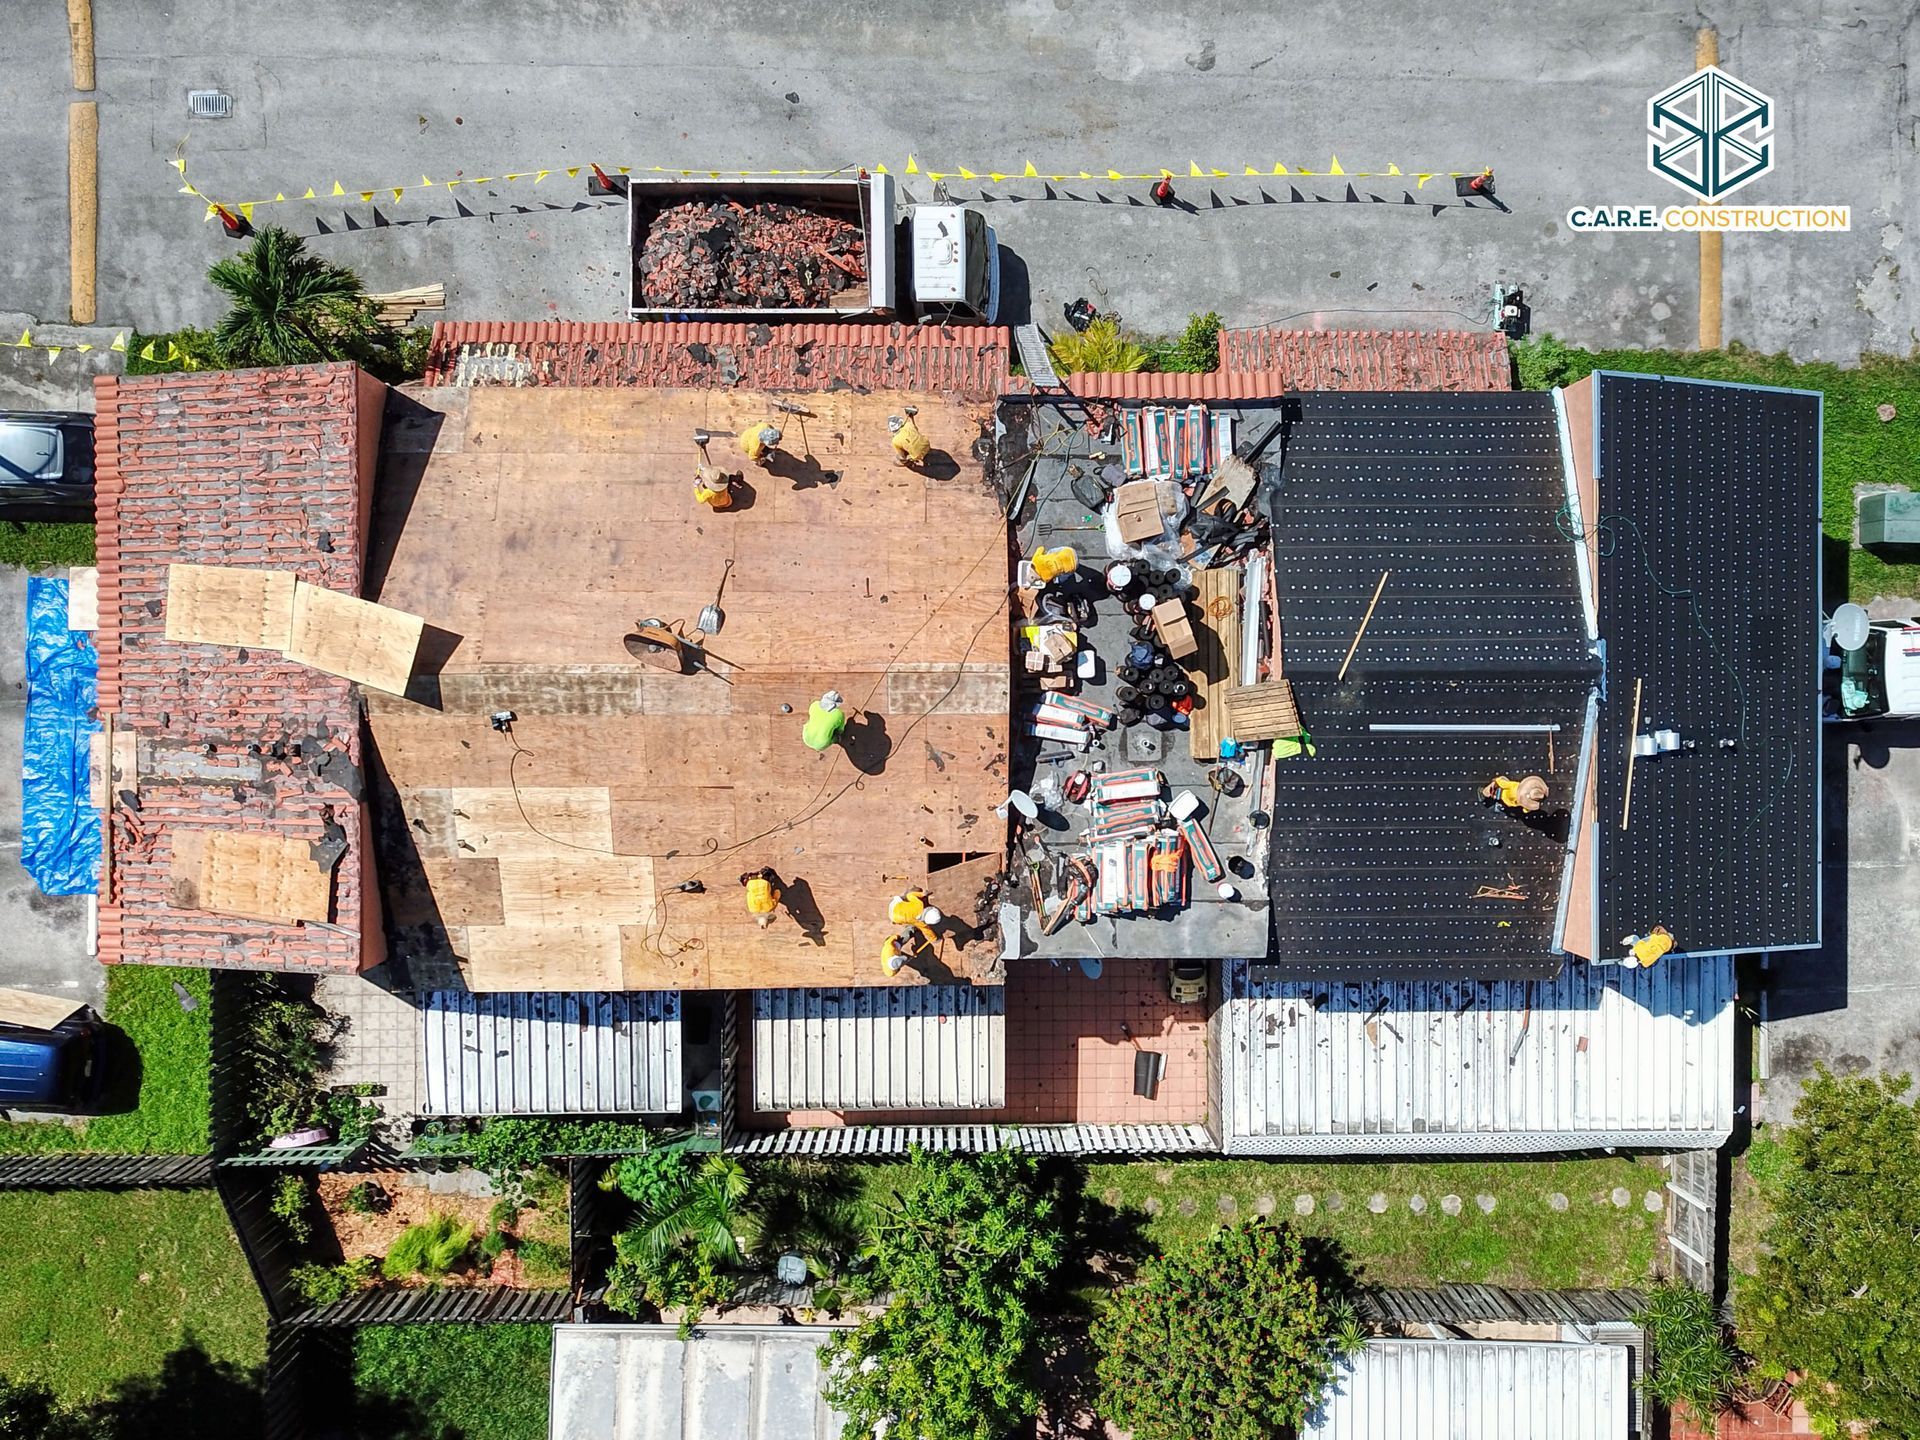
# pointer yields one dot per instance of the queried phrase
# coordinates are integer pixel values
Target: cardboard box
(1175, 630)
(1136, 507)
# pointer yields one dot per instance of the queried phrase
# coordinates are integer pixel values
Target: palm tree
(709, 1213)
(292, 308)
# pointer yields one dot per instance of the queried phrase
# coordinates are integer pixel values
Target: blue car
(58, 1069)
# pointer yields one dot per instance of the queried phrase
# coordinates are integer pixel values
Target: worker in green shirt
(825, 721)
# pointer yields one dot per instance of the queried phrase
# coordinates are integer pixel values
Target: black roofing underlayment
(1380, 841)
(1709, 595)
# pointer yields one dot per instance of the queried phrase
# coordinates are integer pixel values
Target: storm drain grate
(209, 104)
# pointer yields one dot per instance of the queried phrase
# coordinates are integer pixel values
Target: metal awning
(586, 1053)
(905, 1047)
(1596, 1056)
(1442, 1389)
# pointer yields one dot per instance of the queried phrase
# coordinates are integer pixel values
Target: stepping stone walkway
(1335, 1202)
(1163, 1174)
(1377, 1203)
(1486, 1203)
(1558, 1201)
(1622, 1197)
(1418, 1204)
(1450, 1204)
(1110, 1198)
(1654, 1202)
(1263, 1205)
(1227, 1205)
(1303, 1204)
(1153, 1205)
(1187, 1205)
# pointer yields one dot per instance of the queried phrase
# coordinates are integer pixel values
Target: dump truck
(805, 249)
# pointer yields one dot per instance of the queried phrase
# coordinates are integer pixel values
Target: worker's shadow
(805, 911)
(939, 465)
(867, 743)
(934, 970)
(743, 495)
(805, 471)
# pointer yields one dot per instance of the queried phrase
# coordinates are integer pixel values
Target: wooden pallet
(1217, 628)
(1263, 712)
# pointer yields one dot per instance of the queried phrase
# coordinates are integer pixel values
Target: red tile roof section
(252, 468)
(970, 362)
(1261, 364)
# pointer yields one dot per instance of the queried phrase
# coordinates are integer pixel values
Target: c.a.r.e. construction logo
(1710, 135)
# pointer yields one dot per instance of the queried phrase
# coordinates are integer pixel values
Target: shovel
(713, 617)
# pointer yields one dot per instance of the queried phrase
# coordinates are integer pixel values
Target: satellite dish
(1849, 626)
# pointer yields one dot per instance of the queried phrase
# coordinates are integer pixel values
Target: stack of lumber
(399, 307)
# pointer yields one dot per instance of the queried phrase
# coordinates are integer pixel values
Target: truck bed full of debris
(721, 254)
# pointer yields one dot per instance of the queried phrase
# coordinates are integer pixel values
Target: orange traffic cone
(236, 227)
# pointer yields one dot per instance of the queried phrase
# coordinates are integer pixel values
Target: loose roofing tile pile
(261, 468)
(1265, 363)
(964, 362)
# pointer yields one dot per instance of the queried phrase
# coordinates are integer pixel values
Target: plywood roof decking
(535, 527)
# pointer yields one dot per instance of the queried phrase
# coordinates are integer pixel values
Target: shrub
(1692, 1361)
(288, 1039)
(289, 1207)
(685, 1240)
(431, 1248)
(367, 1198)
(545, 1263)
(1837, 1291)
(324, 1284)
(509, 1144)
(967, 1250)
(1195, 352)
(1100, 347)
(290, 307)
(640, 1276)
(1230, 1336)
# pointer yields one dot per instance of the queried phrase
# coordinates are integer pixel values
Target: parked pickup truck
(814, 249)
(1880, 677)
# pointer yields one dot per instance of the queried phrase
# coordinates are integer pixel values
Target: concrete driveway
(45, 944)
(369, 94)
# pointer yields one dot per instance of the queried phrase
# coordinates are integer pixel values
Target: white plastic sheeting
(1476, 1390)
(1597, 1057)
(589, 1053)
(643, 1382)
(904, 1047)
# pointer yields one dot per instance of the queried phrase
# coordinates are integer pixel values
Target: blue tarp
(59, 829)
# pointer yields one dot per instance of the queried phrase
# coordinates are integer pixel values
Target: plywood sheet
(1218, 630)
(555, 957)
(266, 877)
(1263, 712)
(541, 820)
(229, 605)
(465, 891)
(37, 1012)
(83, 598)
(183, 878)
(354, 638)
(577, 890)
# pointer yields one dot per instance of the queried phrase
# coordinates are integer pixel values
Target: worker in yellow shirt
(825, 720)
(712, 487)
(912, 909)
(1525, 795)
(910, 445)
(758, 442)
(1645, 951)
(908, 945)
(763, 894)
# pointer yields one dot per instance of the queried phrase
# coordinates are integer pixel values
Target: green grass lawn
(34, 545)
(475, 1382)
(98, 1286)
(171, 1115)
(1524, 1242)
(1859, 447)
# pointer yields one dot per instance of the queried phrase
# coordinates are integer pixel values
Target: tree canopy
(1837, 1293)
(1232, 1336)
(964, 1253)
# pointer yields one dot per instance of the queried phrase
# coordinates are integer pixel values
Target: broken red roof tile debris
(720, 254)
(967, 362)
(269, 469)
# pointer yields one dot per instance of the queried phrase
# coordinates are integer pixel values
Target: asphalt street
(374, 95)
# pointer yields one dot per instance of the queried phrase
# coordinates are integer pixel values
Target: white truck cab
(1881, 676)
(956, 264)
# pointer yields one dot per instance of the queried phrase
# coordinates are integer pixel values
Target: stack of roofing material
(1162, 443)
(1068, 719)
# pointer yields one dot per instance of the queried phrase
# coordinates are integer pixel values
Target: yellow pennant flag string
(54, 352)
